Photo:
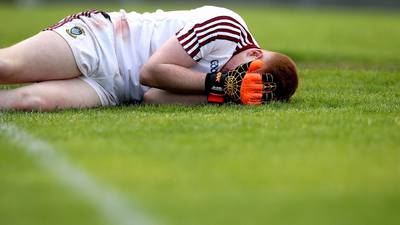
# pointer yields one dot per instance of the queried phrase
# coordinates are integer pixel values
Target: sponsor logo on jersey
(214, 66)
(75, 31)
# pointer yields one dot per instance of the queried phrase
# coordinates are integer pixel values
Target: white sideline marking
(107, 202)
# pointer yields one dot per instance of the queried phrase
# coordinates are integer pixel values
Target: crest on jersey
(75, 31)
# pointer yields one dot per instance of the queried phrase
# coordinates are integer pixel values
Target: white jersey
(210, 35)
(111, 49)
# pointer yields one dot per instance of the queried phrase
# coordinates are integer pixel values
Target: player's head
(282, 68)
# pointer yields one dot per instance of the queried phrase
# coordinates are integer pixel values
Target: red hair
(284, 72)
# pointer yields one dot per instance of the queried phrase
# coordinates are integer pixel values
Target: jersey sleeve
(217, 33)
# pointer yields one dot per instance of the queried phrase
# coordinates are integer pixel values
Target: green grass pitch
(331, 156)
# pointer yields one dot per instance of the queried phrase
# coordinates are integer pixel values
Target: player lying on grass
(104, 59)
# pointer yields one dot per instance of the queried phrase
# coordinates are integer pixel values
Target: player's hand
(241, 85)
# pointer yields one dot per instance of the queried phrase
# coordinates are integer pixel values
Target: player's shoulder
(214, 11)
(210, 8)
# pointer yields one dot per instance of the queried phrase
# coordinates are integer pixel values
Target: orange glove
(241, 85)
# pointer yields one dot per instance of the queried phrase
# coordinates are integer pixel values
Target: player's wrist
(214, 87)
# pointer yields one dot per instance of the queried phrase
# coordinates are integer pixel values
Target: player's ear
(255, 53)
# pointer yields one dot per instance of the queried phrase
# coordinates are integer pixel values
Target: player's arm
(169, 69)
(158, 96)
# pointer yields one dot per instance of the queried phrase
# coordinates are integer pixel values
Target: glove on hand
(241, 85)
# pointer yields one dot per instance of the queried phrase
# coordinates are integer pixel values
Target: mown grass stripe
(109, 203)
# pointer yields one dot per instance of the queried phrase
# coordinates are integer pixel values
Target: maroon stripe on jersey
(194, 53)
(222, 30)
(217, 37)
(192, 46)
(239, 50)
(249, 37)
(213, 31)
(199, 25)
(225, 24)
(216, 19)
(246, 40)
(218, 31)
(180, 38)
